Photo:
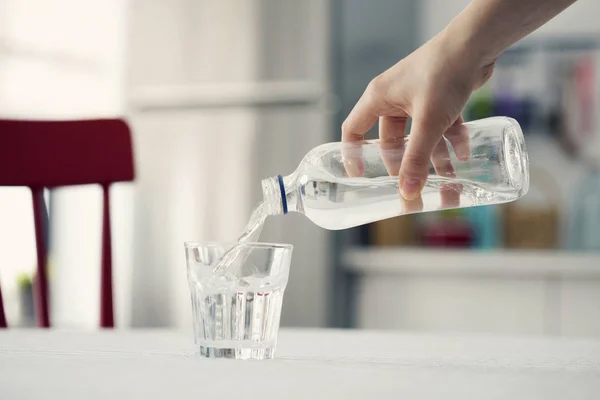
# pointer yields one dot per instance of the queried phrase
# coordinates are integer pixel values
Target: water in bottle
(340, 185)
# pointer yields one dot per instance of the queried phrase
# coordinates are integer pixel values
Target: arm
(491, 26)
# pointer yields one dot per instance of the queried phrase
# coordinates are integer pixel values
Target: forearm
(488, 27)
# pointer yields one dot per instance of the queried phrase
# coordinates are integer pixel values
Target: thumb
(425, 133)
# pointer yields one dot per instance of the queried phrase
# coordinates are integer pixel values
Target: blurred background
(221, 94)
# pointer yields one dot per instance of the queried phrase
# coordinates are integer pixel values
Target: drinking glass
(236, 314)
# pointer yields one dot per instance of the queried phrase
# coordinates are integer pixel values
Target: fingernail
(462, 152)
(410, 187)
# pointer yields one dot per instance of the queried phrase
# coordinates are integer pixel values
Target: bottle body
(339, 185)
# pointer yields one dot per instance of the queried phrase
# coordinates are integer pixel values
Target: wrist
(467, 37)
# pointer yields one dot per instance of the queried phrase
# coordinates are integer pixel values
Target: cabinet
(502, 292)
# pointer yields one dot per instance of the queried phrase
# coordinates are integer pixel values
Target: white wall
(200, 165)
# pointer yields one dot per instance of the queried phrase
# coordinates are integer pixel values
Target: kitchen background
(220, 94)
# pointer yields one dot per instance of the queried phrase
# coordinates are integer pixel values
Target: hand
(431, 86)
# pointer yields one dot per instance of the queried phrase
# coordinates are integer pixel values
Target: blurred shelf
(227, 94)
(476, 263)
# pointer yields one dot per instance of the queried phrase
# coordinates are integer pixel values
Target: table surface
(322, 364)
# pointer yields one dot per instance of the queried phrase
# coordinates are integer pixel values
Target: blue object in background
(485, 222)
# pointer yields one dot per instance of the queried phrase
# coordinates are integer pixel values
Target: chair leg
(2, 315)
(41, 281)
(106, 292)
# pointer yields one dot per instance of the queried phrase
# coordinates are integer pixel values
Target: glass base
(265, 353)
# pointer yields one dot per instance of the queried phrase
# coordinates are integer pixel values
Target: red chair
(48, 154)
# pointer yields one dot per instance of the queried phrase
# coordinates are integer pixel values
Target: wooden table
(309, 364)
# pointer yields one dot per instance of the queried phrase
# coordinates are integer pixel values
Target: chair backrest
(47, 154)
(59, 153)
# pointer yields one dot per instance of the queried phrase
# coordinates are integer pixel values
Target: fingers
(440, 158)
(450, 195)
(353, 158)
(458, 135)
(412, 206)
(424, 137)
(392, 131)
(449, 192)
(364, 114)
(362, 118)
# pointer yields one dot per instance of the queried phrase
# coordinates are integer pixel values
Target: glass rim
(256, 245)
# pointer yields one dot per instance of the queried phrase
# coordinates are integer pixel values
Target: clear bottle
(340, 185)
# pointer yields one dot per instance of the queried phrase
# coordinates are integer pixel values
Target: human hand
(431, 86)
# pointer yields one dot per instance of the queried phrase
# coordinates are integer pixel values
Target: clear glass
(341, 185)
(236, 315)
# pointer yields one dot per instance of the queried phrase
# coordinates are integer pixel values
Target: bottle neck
(280, 195)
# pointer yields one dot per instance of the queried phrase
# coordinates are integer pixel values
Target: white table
(309, 364)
